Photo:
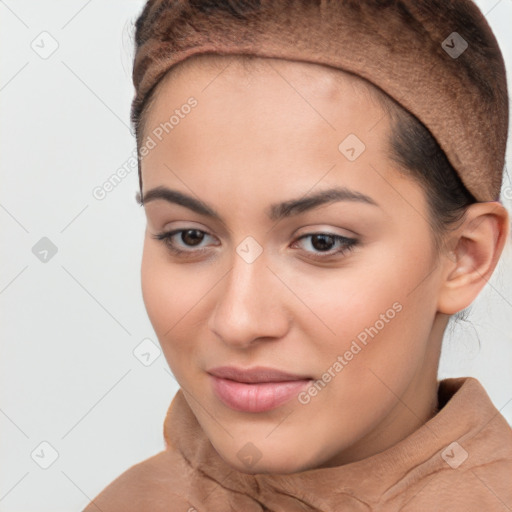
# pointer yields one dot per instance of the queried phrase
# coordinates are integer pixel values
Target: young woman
(321, 182)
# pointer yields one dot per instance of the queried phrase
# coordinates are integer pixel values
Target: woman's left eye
(324, 245)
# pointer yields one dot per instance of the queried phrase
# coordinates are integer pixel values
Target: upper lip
(255, 374)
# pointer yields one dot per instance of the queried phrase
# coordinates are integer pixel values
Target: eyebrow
(275, 212)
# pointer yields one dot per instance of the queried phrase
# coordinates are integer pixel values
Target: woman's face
(338, 290)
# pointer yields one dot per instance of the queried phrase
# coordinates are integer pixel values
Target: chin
(274, 467)
(268, 460)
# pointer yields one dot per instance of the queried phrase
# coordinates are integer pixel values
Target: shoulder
(473, 489)
(473, 475)
(471, 467)
(152, 484)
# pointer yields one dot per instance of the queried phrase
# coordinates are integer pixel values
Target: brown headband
(437, 58)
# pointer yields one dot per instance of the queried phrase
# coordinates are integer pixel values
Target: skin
(266, 133)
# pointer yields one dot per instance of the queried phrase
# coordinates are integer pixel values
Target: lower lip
(258, 397)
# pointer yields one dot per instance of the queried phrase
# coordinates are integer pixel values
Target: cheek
(381, 338)
(158, 295)
(379, 311)
(171, 295)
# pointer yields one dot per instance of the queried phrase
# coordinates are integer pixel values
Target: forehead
(292, 93)
(273, 102)
(237, 67)
(263, 114)
(264, 125)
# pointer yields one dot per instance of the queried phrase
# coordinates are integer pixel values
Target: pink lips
(255, 389)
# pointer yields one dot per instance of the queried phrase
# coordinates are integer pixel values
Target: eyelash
(349, 244)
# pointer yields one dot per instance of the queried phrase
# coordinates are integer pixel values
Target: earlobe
(475, 251)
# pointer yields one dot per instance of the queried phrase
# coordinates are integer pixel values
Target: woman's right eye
(190, 237)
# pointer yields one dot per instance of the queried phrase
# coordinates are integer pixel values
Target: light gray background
(70, 325)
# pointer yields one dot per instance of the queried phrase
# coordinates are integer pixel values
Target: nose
(249, 305)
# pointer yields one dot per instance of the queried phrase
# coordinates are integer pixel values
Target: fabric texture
(437, 58)
(460, 460)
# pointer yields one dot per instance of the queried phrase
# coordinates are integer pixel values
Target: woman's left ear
(472, 254)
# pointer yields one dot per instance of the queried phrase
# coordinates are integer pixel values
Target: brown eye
(322, 242)
(185, 242)
(192, 236)
(325, 245)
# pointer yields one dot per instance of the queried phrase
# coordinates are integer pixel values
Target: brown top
(460, 460)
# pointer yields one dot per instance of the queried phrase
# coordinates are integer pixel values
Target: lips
(256, 389)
